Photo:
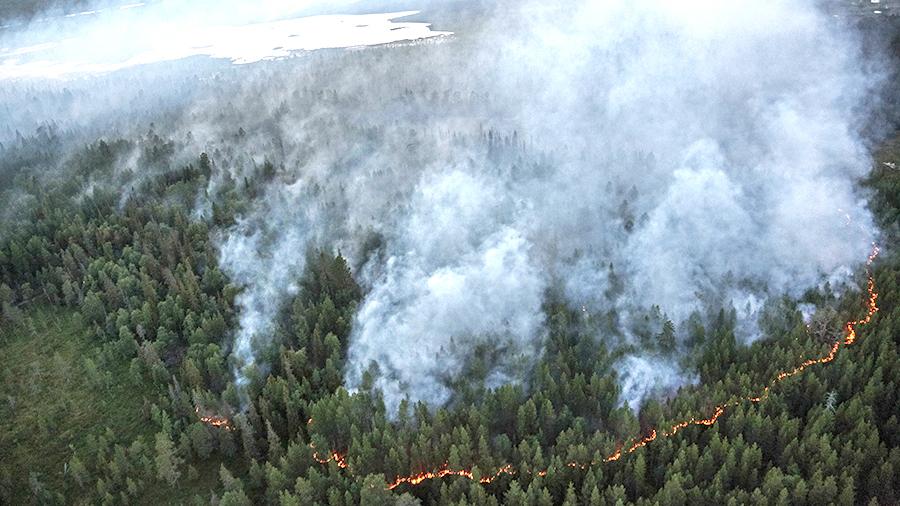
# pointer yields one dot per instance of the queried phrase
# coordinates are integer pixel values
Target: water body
(100, 42)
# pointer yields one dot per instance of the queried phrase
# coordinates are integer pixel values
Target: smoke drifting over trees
(641, 161)
(702, 167)
(488, 253)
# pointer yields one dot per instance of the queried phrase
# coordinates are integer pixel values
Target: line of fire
(850, 335)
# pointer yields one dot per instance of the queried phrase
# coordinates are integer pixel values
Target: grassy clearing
(53, 395)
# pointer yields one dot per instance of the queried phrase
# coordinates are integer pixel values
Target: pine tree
(167, 461)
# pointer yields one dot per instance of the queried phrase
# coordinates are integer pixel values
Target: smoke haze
(621, 155)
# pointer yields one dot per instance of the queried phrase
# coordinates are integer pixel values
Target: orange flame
(214, 420)
(444, 471)
(850, 329)
(336, 456)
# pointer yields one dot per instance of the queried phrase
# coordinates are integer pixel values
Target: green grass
(50, 401)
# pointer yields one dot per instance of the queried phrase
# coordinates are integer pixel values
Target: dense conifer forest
(228, 284)
(118, 389)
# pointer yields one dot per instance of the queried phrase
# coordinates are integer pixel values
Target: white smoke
(695, 155)
(645, 376)
(706, 151)
(262, 256)
(461, 276)
(749, 112)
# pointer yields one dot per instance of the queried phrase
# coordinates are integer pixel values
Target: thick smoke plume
(690, 156)
(640, 160)
(459, 275)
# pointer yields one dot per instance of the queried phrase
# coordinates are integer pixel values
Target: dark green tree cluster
(143, 274)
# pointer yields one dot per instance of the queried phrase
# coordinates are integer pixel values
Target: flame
(214, 420)
(445, 471)
(849, 338)
(334, 455)
(850, 329)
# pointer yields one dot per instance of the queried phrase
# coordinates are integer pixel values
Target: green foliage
(167, 462)
(127, 325)
(59, 390)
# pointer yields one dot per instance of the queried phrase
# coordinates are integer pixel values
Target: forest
(128, 393)
(616, 254)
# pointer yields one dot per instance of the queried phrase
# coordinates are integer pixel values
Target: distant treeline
(25, 10)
